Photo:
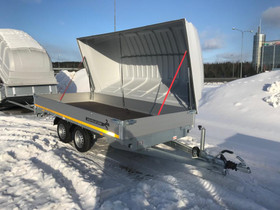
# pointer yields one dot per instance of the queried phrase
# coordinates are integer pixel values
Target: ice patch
(274, 99)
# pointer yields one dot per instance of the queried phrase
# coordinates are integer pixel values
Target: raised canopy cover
(23, 61)
(140, 63)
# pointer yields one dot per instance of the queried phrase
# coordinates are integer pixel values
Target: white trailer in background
(25, 68)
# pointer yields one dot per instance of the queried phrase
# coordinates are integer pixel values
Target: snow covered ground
(38, 171)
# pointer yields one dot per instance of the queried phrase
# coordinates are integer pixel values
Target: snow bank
(240, 103)
(274, 99)
(79, 83)
(237, 118)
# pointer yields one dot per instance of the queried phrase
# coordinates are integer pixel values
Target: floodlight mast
(115, 16)
(241, 59)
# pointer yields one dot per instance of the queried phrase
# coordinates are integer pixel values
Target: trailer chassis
(197, 156)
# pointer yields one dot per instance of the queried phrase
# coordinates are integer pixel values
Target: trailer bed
(110, 111)
(130, 75)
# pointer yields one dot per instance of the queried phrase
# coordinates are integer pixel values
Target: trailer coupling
(218, 162)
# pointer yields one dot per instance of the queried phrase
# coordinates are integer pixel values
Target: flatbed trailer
(131, 73)
(133, 129)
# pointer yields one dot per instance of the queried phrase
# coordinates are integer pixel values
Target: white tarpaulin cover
(23, 61)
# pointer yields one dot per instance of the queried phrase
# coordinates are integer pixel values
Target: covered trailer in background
(25, 68)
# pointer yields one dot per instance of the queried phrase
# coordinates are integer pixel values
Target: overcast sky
(56, 24)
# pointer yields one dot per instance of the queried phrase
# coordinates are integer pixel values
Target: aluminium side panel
(149, 131)
(153, 124)
(95, 122)
(150, 140)
(19, 91)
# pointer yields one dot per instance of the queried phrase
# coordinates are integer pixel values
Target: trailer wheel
(195, 152)
(63, 131)
(82, 139)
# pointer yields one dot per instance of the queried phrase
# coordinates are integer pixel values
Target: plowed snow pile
(240, 103)
(274, 99)
(73, 81)
(39, 172)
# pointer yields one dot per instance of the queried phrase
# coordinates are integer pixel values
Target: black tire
(82, 139)
(63, 131)
(195, 152)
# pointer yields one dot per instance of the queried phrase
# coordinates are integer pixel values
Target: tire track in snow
(28, 165)
(32, 155)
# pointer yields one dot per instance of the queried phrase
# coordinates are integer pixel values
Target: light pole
(242, 32)
(115, 16)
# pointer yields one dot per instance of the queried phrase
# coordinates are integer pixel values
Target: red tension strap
(172, 82)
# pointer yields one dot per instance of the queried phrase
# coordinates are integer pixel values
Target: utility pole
(232, 69)
(241, 59)
(115, 17)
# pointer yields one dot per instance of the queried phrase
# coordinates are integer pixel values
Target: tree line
(228, 70)
(211, 70)
(67, 64)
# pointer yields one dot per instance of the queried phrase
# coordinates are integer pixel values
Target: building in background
(266, 54)
(270, 55)
(259, 40)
